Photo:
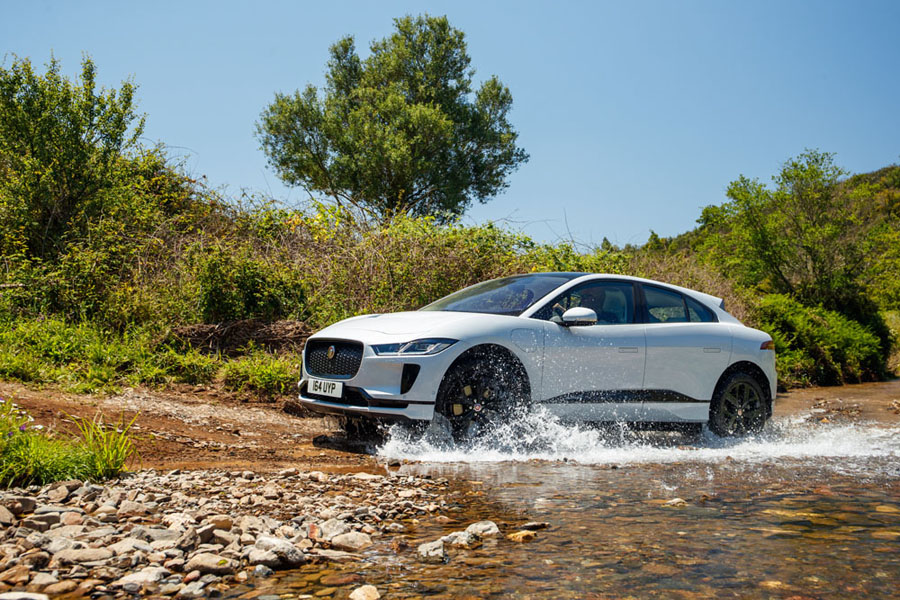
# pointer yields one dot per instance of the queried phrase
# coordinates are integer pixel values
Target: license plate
(334, 389)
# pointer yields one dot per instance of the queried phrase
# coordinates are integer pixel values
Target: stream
(807, 509)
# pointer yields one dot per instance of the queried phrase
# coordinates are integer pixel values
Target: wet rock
(23, 596)
(535, 525)
(287, 553)
(262, 571)
(351, 541)
(365, 592)
(676, 502)
(461, 539)
(432, 552)
(206, 562)
(483, 529)
(192, 590)
(521, 536)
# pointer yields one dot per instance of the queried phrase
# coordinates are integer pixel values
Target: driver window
(612, 301)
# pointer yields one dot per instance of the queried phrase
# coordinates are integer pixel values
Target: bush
(264, 374)
(236, 285)
(815, 346)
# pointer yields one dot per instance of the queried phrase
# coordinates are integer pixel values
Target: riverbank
(239, 499)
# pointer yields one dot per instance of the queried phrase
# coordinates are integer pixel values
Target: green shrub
(29, 455)
(262, 373)
(236, 285)
(815, 346)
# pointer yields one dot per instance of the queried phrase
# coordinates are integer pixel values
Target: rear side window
(698, 313)
(664, 306)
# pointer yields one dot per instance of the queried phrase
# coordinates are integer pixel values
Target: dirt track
(198, 428)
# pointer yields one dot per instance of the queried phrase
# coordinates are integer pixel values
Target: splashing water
(540, 436)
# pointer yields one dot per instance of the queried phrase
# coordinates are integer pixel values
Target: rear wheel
(738, 406)
(479, 392)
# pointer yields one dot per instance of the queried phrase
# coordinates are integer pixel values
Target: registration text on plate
(333, 389)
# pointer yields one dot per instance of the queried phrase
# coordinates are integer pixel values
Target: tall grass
(30, 455)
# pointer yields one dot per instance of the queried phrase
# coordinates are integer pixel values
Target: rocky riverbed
(195, 534)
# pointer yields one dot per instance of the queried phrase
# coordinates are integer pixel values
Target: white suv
(587, 347)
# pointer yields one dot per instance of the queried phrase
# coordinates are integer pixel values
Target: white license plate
(333, 389)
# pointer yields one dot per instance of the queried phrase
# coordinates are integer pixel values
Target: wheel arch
(753, 370)
(491, 351)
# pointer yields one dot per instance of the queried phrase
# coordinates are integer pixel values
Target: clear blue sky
(636, 114)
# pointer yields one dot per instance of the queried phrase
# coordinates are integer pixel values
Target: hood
(414, 323)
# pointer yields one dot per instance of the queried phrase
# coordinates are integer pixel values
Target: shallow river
(802, 511)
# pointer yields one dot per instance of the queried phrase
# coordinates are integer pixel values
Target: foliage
(262, 373)
(109, 447)
(60, 145)
(815, 345)
(30, 455)
(400, 132)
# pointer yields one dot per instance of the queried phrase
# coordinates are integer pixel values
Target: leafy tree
(59, 146)
(400, 132)
(813, 237)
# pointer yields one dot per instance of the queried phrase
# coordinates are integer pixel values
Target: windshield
(506, 296)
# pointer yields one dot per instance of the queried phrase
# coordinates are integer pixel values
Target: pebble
(192, 534)
(432, 552)
(483, 529)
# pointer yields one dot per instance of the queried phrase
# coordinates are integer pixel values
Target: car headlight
(424, 347)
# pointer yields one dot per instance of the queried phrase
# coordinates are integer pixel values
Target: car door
(687, 351)
(594, 372)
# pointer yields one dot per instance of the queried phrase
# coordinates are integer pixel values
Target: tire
(479, 392)
(738, 406)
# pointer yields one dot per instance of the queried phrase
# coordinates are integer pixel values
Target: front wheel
(738, 407)
(478, 393)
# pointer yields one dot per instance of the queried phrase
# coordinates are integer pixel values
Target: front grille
(344, 364)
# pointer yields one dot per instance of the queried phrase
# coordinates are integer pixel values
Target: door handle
(712, 350)
(628, 349)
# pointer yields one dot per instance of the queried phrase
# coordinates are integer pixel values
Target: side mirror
(579, 316)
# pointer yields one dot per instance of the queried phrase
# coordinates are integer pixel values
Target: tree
(60, 142)
(813, 237)
(400, 132)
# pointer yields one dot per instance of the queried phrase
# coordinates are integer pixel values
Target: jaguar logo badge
(330, 353)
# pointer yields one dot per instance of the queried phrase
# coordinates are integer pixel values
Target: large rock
(351, 541)
(85, 555)
(332, 528)
(461, 539)
(6, 516)
(144, 576)
(23, 596)
(130, 545)
(207, 562)
(129, 508)
(432, 552)
(263, 557)
(283, 549)
(365, 592)
(17, 575)
(19, 505)
(483, 529)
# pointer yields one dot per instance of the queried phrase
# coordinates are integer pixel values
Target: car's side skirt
(628, 405)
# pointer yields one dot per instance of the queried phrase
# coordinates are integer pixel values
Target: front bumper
(356, 402)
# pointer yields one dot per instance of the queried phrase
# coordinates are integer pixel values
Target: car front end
(368, 367)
